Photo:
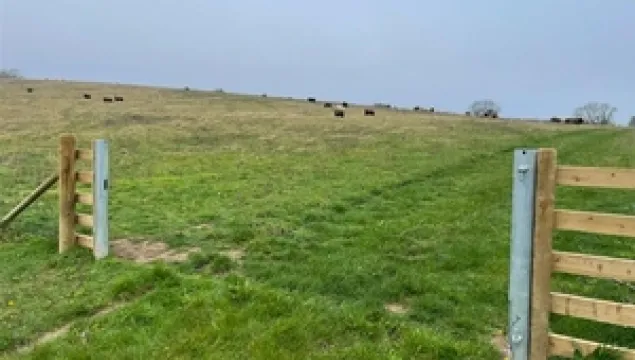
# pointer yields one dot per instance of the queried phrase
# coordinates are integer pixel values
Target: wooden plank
(41, 189)
(84, 220)
(66, 193)
(84, 199)
(84, 177)
(593, 309)
(84, 154)
(85, 240)
(542, 262)
(565, 346)
(596, 223)
(603, 267)
(615, 178)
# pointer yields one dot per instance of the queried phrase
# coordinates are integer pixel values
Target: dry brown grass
(57, 106)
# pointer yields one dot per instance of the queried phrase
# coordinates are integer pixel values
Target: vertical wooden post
(542, 253)
(67, 193)
(100, 198)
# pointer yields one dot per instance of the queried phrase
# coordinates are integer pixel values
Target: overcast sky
(535, 58)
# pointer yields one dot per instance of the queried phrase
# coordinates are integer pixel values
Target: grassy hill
(381, 237)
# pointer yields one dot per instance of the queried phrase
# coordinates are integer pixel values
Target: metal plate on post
(100, 194)
(523, 198)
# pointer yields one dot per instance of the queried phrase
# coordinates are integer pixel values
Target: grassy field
(381, 237)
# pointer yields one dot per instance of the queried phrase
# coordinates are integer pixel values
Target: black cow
(338, 113)
(369, 112)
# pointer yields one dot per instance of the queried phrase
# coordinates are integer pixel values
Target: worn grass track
(334, 221)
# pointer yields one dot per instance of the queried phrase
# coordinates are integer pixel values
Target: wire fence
(22, 170)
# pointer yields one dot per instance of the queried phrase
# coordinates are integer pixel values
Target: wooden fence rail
(34, 195)
(529, 336)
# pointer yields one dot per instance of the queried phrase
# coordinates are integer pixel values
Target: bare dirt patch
(203, 227)
(396, 308)
(148, 251)
(499, 341)
(236, 254)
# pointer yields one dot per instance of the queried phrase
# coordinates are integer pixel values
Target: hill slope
(359, 238)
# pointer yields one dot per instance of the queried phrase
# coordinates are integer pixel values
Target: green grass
(335, 218)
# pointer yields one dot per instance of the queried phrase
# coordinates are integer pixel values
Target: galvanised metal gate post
(520, 271)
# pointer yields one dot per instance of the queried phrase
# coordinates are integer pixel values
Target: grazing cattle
(369, 112)
(87, 96)
(311, 99)
(344, 104)
(417, 108)
(107, 99)
(118, 98)
(29, 90)
(328, 105)
(338, 113)
(555, 119)
(574, 120)
(490, 113)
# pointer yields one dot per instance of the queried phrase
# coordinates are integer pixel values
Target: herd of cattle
(339, 109)
(568, 120)
(87, 96)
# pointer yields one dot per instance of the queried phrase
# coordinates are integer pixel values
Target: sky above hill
(535, 58)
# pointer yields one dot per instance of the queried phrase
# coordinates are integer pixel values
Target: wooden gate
(531, 298)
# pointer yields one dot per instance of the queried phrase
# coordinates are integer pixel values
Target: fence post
(542, 253)
(522, 221)
(66, 193)
(100, 196)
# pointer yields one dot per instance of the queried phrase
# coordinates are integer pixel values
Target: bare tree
(596, 113)
(10, 74)
(484, 108)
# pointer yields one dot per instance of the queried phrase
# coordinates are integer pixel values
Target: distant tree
(10, 74)
(484, 107)
(596, 113)
(631, 123)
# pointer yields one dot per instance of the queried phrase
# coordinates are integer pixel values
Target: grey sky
(535, 58)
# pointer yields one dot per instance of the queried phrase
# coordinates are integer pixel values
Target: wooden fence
(531, 298)
(69, 197)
